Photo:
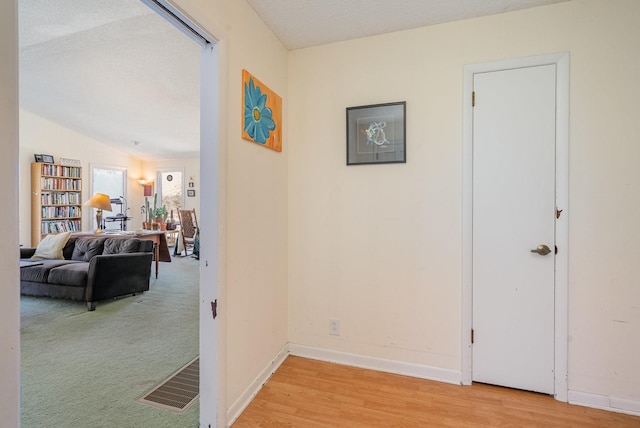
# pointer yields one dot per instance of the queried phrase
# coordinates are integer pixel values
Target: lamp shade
(99, 201)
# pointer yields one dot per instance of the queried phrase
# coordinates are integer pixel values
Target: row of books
(60, 184)
(61, 226)
(61, 171)
(60, 198)
(61, 212)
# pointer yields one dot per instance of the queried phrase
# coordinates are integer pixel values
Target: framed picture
(47, 159)
(376, 134)
(38, 158)
(191, 193)
(262, 112)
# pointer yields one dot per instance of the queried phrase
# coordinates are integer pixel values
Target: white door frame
(561, 60)
(213, 119)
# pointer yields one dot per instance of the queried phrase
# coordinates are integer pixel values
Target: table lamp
(100, 202)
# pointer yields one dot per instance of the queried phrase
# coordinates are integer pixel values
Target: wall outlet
(334, 327)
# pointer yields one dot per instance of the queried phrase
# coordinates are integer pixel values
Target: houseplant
(161, 217)
(152, 213)
(147, 213)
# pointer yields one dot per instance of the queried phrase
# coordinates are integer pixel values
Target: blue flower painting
(257, 116)
(262, 112)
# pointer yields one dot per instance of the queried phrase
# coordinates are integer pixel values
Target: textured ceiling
(305, 23)
(116, 72)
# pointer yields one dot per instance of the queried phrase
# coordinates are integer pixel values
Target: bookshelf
(56, 199)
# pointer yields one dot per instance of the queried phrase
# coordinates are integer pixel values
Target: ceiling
(304, 23)
(118, 73)
(114, 71)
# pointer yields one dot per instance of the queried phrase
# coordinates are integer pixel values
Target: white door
(514, 122)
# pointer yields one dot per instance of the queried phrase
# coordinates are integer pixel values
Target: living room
(142, 138)
(301, 226)
(87, 93)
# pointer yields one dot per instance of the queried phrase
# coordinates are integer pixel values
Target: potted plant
(152, 213)
(161, 216)
(147, 223)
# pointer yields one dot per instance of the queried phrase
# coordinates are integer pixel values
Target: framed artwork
(38, 158)
(47, 159)
(376, 134)
(261, 113)
(191, 193)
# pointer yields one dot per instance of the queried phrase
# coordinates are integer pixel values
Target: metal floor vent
(179, 391)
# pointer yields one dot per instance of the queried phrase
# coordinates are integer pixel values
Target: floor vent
(179, 391)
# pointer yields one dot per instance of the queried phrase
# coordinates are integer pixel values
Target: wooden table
(160, 247)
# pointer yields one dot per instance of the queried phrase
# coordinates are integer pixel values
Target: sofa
(89, 269)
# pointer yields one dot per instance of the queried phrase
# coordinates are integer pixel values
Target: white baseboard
(252, 390)
(605, 402)
(379, 364)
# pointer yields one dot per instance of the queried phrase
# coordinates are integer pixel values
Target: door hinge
(473, 99)
(473, 336)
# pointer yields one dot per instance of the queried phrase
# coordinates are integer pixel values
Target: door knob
(543, 250)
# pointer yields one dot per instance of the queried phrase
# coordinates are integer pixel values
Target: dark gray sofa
(93, 269)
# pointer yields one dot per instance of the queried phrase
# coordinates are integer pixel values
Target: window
(170, 191)
(111, 182)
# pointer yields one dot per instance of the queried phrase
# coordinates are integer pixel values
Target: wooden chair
(188, 228)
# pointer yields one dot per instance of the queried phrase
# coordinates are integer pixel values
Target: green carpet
(87, 369)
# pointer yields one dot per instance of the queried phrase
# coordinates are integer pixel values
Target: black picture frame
(376, 133)
(47, 159)
(38, 158)
(191, 193)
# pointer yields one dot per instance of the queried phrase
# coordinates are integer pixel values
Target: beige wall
(10, 290)
(256, 200)
(379, 246)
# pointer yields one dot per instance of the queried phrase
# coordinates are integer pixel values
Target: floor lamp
(100, 202)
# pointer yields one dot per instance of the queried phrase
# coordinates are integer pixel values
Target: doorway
(213, 78)
(212, 133)
(502, 295)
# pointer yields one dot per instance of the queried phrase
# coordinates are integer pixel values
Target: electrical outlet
(334, 327)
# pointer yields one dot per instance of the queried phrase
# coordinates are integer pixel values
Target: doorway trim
(213, 167)
(561, 60)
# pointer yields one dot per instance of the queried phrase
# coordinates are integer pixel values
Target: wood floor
(308, 393)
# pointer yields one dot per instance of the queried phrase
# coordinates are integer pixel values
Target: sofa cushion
(40, 273)
(73, 274)
(51, 246)
(67, 251)
(120, 246)
(86, 248)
